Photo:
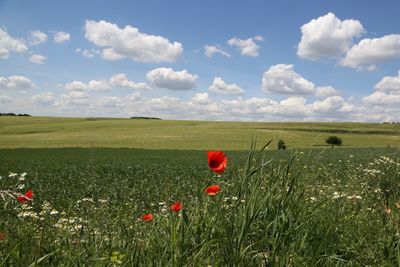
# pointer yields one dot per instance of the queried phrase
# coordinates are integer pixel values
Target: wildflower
(217, 161)
(53, 212)
(397, 204)
(2, 236)
(147, 217)
(117, 257)
(212, 190)
(28, 196)
(176, 207)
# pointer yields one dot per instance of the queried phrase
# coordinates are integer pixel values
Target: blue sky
(217, 60)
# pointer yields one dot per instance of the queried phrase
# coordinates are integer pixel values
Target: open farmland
(99, 205)
(34, 132)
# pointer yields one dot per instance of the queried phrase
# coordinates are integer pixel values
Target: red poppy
(217, 161)
(212, 190)
(2, 236)
(28, 196)
(176, 207)
(147, 217)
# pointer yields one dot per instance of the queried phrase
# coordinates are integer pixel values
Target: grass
(310, 207)
(41, 132)
(95, 178)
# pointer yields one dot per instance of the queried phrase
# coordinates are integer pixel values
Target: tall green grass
(285, 208)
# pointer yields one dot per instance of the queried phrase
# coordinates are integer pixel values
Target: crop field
(70, 197)
(111, 207)
(35, 132)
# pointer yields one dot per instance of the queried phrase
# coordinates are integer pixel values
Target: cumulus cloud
(292, 107)
(119, 80)
(170, 79)
(95, 85)
(200, 99)
(134, 97)
(46, 98)
(381, 98)
(210, 50)
(369, 52)
(247, 47)
(327, 36)
(324, 91)
(387, 92)
(110, 102)
(61, 37)
(36, 58)
(37, 37)
(330, 104)
(9, 44)
(219, 86)
(73, 99)
(282, 79)
(5, 99)
(16, 83)
(129, 42)
(88, 53)
(389, 84)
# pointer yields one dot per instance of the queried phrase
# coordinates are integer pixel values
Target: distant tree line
(145, 118)
(13, 114)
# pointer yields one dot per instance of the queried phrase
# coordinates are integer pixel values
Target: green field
(94, 179)
(35, 132)
(312, 207)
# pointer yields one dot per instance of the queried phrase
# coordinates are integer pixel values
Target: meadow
(35, 132)
(303, 206)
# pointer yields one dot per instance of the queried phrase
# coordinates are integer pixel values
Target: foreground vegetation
(37, 132)
(330, 207)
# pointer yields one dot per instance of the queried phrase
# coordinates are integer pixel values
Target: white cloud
(118, 80)
(39, 59)
(170, 79)
(37, 37)
(247, 47)
(164, 103)
(282, 79)
(369, 52)
(389, 84)
(324, 91)
(129, 42)
(134, 97)
(95, 85)
(292, 107)
(72, 100)
(121, 80)
(327, 36)
(381, 98)
(387, 92)
(44, 98)
(200, 99)
(8, 44)
(210, 50)
(110, 102)
(61, 37)
(5, 99)
(16, 83)
(88, 53)
(329, 104)
(219, 86)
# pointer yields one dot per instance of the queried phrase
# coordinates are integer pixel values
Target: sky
(202, 60)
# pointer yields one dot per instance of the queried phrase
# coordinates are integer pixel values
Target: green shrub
(334, 141)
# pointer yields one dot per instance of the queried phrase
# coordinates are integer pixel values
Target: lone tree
(334, 141)
(281, 145)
